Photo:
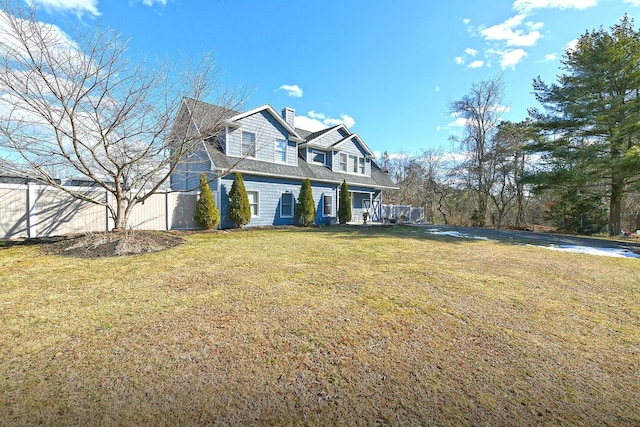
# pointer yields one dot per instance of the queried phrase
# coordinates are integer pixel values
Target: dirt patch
(110, 244)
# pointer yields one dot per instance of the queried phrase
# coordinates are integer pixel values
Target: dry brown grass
(339, 326)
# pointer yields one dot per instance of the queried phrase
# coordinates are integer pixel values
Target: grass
(340, 325)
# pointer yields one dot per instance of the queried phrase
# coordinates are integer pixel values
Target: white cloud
(634, 3)
(437, 89)
(466, 21)
(550, 57)
(510, 58)
(508, 32)
(529, 5)
(459, 60)
(344, 118)
(571, 46)
(315, 121)
(476, 64)
(152, 2)
(471, 52)
(78, 7)
(292, 90)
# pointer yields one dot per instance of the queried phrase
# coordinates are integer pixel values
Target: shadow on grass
(36, 241)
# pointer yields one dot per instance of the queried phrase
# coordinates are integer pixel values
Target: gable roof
(360, 141)
(206, 115)
(269, 109)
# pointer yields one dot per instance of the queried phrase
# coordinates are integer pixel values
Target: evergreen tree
(344, 210)
(239, 209)
(305, 207)
(207, 214)
(592, 112)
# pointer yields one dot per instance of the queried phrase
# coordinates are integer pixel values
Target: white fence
(402, 213)
(32, 210)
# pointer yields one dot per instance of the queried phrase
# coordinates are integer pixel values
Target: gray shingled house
(274, 157)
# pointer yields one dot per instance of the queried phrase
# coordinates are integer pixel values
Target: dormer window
(343, 162)
(248, 144)
(318, 157)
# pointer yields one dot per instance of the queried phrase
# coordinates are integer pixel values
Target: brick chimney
(288, 115)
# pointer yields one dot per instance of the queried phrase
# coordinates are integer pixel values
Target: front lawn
(339, 325)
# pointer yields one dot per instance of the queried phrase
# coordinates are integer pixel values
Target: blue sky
(386, 69)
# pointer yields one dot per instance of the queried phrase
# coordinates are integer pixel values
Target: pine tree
(590, 117)
(239, 209)
(344, 210)
(305, 208)
(207, 214)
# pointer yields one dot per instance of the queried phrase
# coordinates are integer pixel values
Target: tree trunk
(120, 220)
(615, 206)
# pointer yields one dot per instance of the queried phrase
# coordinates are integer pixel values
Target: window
(343, 162)
(361, 164)
(248, 144)
(286, 205)
(353, 163)
(318, 156)
(327, 205)
(281, 150)
(254, 198)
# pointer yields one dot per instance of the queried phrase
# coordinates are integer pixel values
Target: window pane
(281, 150)
(343, 162)
(327, 206)
(248, 144)
(318, 157)
(252, 196)
(353, 162)
(361, 162)
(286, 208)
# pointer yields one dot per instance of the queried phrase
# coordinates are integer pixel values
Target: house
(274, 157)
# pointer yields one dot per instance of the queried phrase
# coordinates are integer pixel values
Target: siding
(330, 138)
(270, 191)
(267, 129)
(187, 174)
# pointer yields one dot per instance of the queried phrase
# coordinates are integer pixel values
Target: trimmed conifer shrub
(207, 214)
(305, 207)
(344, 209)
(239, 209)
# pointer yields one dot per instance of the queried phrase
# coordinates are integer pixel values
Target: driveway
(540, 238)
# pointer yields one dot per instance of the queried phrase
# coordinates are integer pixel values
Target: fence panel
(57, 213)
(150, 215)
(182, 208)
(13, 211)
(39, 211)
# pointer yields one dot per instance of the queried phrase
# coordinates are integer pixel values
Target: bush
(344, 210)
(305, 208)
(239, 209)
(207, 214)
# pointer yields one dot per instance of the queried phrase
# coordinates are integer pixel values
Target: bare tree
(480, 109)
(81, 106)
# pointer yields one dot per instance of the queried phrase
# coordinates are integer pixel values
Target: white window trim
(346, 162)
(257, 215)
(324, 214)
(311, 153)
(255, 144)
(293, 205)
(276, 151)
